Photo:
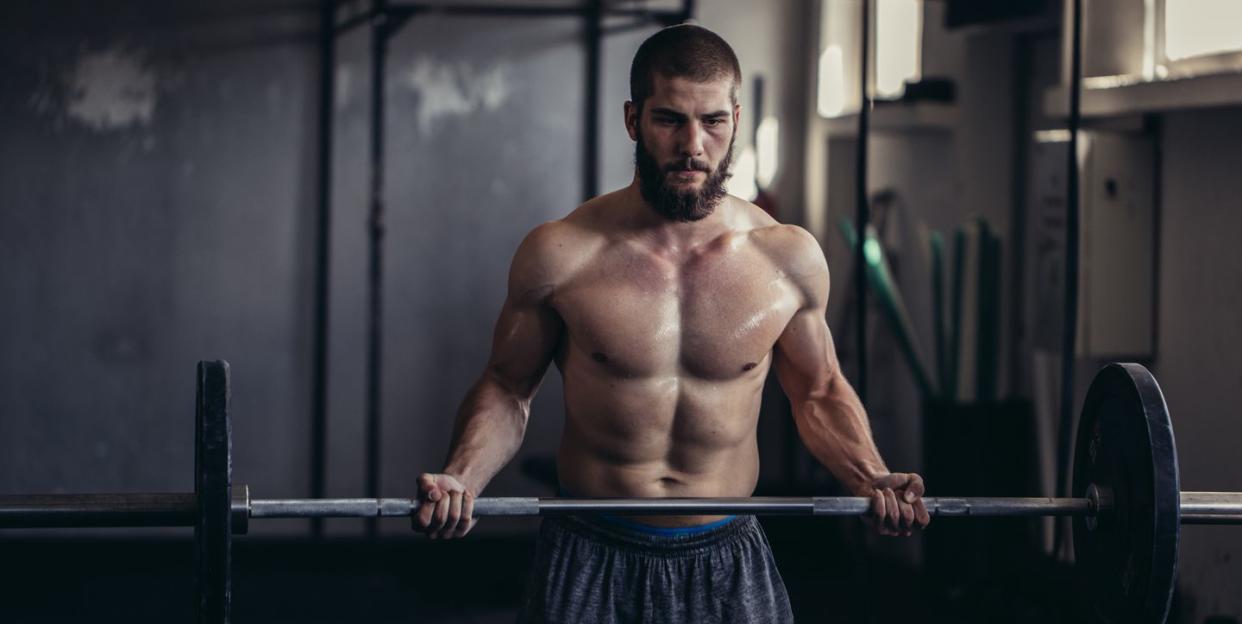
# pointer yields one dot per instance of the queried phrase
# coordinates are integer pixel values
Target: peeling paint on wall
(113, 88)
(456, 90)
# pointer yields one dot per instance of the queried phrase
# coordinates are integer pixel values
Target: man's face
(684, 145)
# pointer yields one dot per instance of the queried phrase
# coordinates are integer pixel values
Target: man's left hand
(897, 504)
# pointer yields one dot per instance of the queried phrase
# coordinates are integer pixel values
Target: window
(897, 32)
(898, 37)
(1196, 36)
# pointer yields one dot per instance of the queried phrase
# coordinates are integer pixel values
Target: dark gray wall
(158, 175)
(1199, 336)
(157, 181)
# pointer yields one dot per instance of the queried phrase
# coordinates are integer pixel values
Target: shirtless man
(663, 305)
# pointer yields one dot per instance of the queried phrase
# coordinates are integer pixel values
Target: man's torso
(664, 355)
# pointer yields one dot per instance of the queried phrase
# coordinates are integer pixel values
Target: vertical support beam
(687, 10)
(757, 111)
(323, 255)
(1069, 332)
(213, 491)
(1023, 70)
(593, 39)
(375, 324)
(860, 196)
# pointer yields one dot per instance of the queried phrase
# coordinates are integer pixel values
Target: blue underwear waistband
(651, 529)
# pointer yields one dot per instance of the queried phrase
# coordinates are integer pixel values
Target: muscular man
(663, 305)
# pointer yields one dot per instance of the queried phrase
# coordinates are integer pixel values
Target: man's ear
(631, 120)
(737, 115)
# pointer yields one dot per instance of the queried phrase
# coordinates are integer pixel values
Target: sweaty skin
(666, 344)
(664, 332)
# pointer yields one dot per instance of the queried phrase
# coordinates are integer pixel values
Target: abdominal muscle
(660, 438)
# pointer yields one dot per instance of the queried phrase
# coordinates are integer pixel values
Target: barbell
(1127, 508)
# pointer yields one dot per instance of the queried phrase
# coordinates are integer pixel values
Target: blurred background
(196, 180)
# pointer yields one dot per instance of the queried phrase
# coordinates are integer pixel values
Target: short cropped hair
(682, 51)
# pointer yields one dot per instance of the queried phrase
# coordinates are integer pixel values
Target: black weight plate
(1125, 446)
(213, 488)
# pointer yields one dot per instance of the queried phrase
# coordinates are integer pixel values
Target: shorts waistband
(601, 531)
(654, 530)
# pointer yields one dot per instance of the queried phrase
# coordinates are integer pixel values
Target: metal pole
(1211, 507)
(860, 197)
(379, 50)
(180, 509)
(98, 510)
(1070, 313)
(593, 36)
(789, 506)
(323, 248)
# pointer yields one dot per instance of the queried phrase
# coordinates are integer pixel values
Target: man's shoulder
(567, 236)
(797, 255)
(554, 251)
(793, 249)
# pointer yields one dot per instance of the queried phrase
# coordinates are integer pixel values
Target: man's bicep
(806, 360)
(805, 357)
(524, 343)
(528, 330)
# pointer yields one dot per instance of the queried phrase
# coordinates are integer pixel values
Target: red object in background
(767, 202)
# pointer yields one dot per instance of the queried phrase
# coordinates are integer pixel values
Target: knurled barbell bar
(181, 510)
(1127, 508)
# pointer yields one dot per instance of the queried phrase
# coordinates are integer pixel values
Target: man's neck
(672, 235)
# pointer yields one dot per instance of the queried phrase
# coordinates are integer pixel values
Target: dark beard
(672, 203)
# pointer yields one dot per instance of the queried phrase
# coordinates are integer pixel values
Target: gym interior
(328, 195)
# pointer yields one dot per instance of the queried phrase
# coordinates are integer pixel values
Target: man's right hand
(447, 508)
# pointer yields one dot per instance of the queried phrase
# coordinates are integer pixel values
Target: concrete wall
(158, 178)
(158, 167)
(1198, 334)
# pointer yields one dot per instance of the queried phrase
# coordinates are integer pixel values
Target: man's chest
(714, 317)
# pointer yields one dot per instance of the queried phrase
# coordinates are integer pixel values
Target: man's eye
(665, 120)
(714, 122)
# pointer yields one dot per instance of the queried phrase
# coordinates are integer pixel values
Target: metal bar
(487, 10)
(642, 17)
(533, 10)
(323, 254)
(375, 358)
(1065, 435)
(1212, 505)
(592, 40)
(118, 510)
(860, 197)
(98, 510)
(804, 506)
(616, 29)
(353, 22)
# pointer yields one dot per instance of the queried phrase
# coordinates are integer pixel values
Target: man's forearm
(488, 432)
(834, 426)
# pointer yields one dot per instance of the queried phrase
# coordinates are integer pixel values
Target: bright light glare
(831, 100)
(1199, 27)
(872, 251)
(898, 36)
(742, 184)
(765, 151)
(1052, 136)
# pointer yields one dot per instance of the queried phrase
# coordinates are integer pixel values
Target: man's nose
(691, 143)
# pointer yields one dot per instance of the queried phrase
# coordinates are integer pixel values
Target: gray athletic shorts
(613, 571)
